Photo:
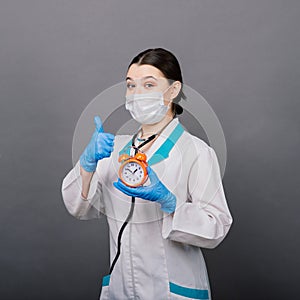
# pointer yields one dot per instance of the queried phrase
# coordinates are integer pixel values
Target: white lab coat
(160, 253)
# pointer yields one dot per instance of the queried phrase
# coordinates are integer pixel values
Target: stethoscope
(136, 150)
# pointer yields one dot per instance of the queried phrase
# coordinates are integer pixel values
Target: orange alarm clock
(133, 170)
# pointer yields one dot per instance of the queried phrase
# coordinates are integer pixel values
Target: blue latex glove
(156, 191)
(100, 146)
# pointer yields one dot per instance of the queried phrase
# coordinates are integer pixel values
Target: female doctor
(157, 229)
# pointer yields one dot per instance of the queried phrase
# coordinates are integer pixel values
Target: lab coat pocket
(105, 288)
(181, 292)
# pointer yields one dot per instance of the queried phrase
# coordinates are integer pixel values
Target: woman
(179, 210)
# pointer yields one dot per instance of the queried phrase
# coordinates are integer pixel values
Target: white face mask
(147, 108)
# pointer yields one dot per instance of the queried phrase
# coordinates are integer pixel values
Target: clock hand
(128, 170)
(136, 175)
(134, 171)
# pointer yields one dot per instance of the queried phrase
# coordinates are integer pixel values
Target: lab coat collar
(162, 146)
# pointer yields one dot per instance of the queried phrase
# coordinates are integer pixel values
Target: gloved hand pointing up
(100, 146)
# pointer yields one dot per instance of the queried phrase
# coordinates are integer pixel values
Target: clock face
(133, 173)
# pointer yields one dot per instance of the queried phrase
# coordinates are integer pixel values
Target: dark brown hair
(168, 64)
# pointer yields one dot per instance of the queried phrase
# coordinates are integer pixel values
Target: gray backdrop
(56, 56)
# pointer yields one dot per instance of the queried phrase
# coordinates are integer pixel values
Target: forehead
(139, 71)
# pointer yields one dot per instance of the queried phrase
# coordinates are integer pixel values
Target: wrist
(83, 197)
(86, 165)
(168, 204)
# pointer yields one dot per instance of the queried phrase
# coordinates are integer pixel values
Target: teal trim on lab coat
(105, 280)
(164, 150)
(188, 292)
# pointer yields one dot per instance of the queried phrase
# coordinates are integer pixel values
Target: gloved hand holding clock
(156, 191)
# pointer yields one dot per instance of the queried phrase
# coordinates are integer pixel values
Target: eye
(149, 85)
(130, 85)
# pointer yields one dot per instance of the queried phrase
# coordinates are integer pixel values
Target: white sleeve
(71, 192)
(203, 219)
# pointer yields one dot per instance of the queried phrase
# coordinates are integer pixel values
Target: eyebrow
(146, 77)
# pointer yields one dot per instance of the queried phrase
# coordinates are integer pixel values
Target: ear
(175, 89)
